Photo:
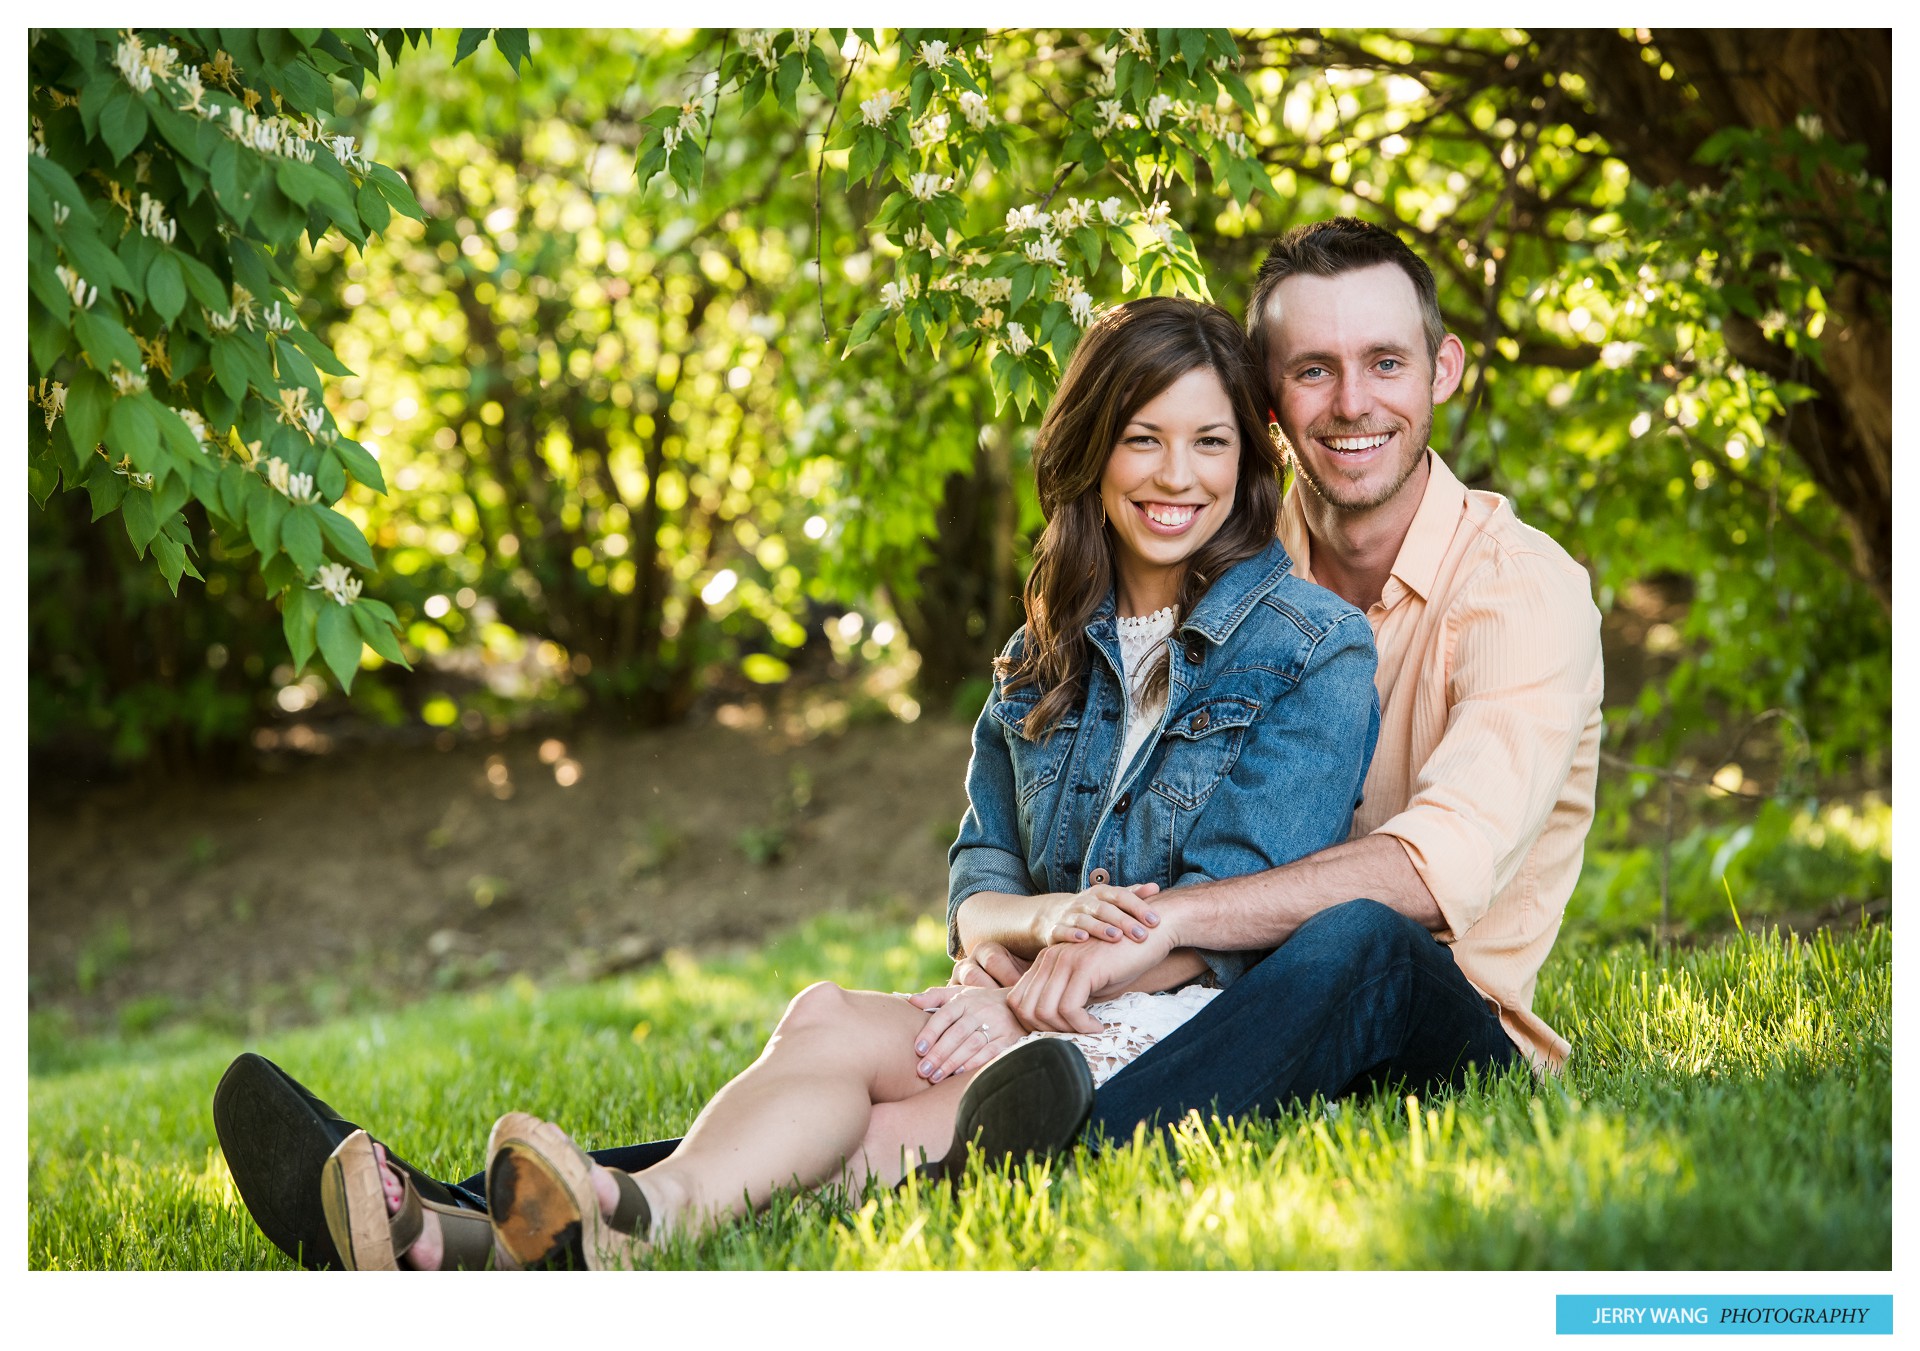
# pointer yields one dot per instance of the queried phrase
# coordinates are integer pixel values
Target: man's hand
(989, 966)
(1054, 993)
(966, 1027)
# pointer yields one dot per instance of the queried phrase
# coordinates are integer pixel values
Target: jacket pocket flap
(1211, 716)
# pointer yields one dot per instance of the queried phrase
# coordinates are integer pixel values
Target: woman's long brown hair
(1132, 354)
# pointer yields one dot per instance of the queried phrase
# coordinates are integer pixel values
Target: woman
(1165, 638)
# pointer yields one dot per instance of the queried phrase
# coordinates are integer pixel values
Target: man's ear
(1449, 365)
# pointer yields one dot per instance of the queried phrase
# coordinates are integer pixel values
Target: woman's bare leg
(801, 1112)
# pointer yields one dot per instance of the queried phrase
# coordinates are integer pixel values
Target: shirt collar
(1417, 564)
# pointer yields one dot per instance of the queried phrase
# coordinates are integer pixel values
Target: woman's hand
(1108, 913)
(967, 1026)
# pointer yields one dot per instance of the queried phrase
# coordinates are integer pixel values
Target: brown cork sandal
(544, 1210)
(369, 1239)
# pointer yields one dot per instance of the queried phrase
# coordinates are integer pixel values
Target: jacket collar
(1228, 601)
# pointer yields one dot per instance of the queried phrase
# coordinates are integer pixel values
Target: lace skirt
(1134, 1021)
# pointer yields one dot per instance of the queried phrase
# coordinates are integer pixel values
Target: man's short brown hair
(1327, 248)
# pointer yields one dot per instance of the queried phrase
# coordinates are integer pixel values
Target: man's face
(1352, 383)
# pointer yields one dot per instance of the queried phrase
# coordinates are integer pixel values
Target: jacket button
(1125, 801)
(1098, 877)
(1196, 652)
(1198, 722)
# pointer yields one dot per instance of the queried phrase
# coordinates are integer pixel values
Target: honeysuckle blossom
(689, 117)
(876, 110)
(1045, 249)
(989, 318)
(195, 424)
(78, 291)
(925, 187)
(1080, 308)
(974, 108)
(760, 48)
(315, 421)
(1028, 218)
(296, 487)
(293, 405)
(987, 290)
(1104, 58)
(892, 296)
(803, 39)
(934, 54)
(348, 153)
(1136, 40)
(1157, 107)
(222, 323)
(1110, 112)
(1155, 219)
(670, 137)
(931, 131)
(1073, 215)
(1110, 210)
(125, 381)
(1017, 340)
(925, 240)
(50, 397)
(194, 91)
(154, 222)
(130, 59)
(338, 581)
(60, 213)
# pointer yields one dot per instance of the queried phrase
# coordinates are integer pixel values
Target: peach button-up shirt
(1489, 683)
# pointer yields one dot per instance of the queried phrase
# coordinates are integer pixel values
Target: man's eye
(1391, 364)
(1313, 372)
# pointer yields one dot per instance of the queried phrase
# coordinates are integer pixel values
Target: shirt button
(1098, 877)
(1198, 722)
(1126, 801)
(1196, 652)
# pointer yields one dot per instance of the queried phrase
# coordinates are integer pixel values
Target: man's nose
(1350, 397)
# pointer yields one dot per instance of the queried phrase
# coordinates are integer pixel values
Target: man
(1404, 955)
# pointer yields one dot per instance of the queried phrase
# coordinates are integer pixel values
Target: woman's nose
(1176, 468)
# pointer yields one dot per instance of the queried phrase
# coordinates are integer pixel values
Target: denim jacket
(1263, 746)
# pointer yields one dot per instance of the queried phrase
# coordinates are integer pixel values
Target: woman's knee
(822, 1006)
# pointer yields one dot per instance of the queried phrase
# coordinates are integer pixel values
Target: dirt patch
(380, 873)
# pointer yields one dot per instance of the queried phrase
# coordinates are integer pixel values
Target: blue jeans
(1359, 996)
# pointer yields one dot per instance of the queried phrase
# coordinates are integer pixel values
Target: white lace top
(1135, 1021)
(1143, 647)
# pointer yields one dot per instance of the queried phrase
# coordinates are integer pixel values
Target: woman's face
(1168, 485)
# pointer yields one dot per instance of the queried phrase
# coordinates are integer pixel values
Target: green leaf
(513, 44)
(1193, 47)
(88, 398)
(171, 555)
(297, 622)
(166, 287)
(469, 43)
(123, 122)
(372, 206)
(266, 509)
(865, 327)
(136, 510)
(235, 493)
(106, 488)
(57, 181)
(786, 81)
(360, 463)
(300, 537)
(329, 478)
(395, 190)
(378, 633)
(345, 537)
(317, 352)
(46, 288)
(230, 366)
(131, 433)
(96, 262)
(105, 340)
(339, 641)
(206, 287)
(820, 69)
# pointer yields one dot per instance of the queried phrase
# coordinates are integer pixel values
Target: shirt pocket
(1036, 764)
(1200, 747)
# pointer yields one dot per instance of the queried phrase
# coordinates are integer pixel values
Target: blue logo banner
(1668, 1315)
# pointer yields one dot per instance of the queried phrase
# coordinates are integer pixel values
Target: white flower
(1157, 107)
(130, 59)
(760, 48)
(338, 581)
(293, 404)
(1110, 112)
(1163, 232)
(1045, 249)
(51, 396)
(1017, 340)
(277, 470)
(1110, 210)
(689, 117)
(934, 54)
(1810, 126)
(314, 419)
(348, 153)
(195, 424)
(82, 294)
(879, 108)
(803, 39)
(1136, 40)
(1023, 218)
(974, 108)
(931, 131)
(1080, 306)
(892, 296)
(989, 319)
(126, 381)
(669, 138)
(60, 213)
(925, 187)
(1073, 215)
(154, 222)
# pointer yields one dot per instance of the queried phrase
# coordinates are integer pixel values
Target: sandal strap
(632, 1215)
(406, 1223)
(466, 1239)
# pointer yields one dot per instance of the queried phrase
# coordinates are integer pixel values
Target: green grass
(1728, 1107)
